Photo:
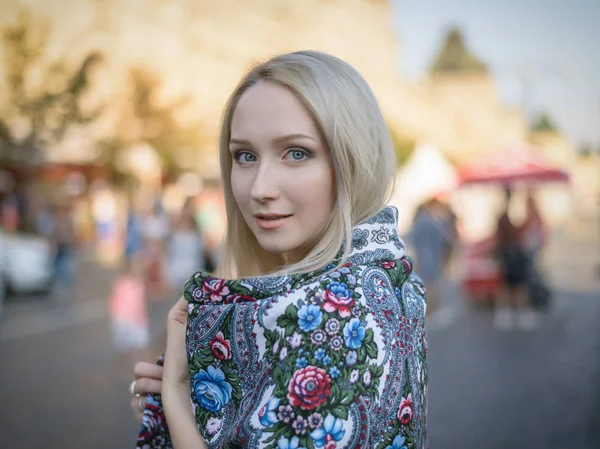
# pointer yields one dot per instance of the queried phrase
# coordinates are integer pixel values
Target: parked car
(25, 263)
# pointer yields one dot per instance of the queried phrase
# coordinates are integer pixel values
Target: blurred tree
(41, 98)
(454, 57)
(586, 150)
(544, 123)
(143, 118)
(403, 146)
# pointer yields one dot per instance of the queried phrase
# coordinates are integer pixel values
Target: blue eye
(296, 155)
(244, 157)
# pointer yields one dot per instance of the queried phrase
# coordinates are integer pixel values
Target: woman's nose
(265, 185)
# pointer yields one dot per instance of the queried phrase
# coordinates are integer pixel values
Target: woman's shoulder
(378, 282)
(392, 274)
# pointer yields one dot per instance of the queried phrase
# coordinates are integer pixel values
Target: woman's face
(282, 175)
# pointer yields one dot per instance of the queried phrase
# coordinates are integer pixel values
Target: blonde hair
(348, 116)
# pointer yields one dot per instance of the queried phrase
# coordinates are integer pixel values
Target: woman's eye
(244, 157)
(296, 155)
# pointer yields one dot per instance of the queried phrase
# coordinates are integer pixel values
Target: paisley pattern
(331, 359)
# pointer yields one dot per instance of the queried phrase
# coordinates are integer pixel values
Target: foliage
(403, 146)
(143, 118)
(587, 150)
(42, 98)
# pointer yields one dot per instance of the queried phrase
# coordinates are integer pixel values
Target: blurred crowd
(153, 239)
(514, 286)
(158, 238)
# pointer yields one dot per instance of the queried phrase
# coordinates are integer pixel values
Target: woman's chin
(291, 252)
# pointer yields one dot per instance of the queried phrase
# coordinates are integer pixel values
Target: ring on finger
(132, 389)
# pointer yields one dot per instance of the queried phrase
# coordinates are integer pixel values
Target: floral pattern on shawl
(334, 359)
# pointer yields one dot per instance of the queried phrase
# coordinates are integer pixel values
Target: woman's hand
(176, 373)
(176, 383)
(148, 379)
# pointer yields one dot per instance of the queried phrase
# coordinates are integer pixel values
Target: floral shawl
(329, 359)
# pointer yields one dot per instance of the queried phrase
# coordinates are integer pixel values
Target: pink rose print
(309, 388)
(406, 410)
(215, 288)
(221, 348)
(338, 297)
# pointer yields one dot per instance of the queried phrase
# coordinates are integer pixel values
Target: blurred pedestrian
(431, 238)
(134, 238)
(451, 234)
(185, 250)
(532, 232)
(46, 221)
(10, 216)
(65, 252)
(533, 236)
(128, 311)
(512, 302)
(155, 229)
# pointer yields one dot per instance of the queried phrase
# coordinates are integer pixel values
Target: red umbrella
(507, 166)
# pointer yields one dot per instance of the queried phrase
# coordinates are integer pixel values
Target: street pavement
(62, 386)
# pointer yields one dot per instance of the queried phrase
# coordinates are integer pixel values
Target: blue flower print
(340, 290)
(329, 267)
(293, 443)
(332, 427)
(354, 333)
(398, 443)
(211, 389)
(345, 270)
(351, 358)
(334, 372)
(319, 354)
(267, 414)
(301, 362)
(326, 360)
(309, 318)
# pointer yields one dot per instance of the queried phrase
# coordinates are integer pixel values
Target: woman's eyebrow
(239, 141)
(276, 140)
(291, 137)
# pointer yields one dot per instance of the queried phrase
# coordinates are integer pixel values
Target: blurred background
(110, 196)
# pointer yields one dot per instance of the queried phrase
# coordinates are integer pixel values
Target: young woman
(316, 338)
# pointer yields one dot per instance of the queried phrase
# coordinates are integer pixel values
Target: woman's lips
(271, 221)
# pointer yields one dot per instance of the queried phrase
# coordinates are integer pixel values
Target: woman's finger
(146, 385)
(179, 312)
(138, 412)
(150, 370)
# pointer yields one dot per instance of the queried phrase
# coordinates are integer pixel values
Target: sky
(544, 54)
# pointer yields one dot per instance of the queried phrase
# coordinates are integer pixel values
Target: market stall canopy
(426, 174)
(511, 165)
